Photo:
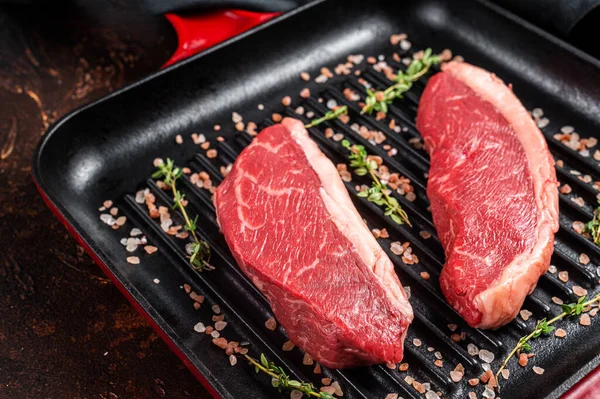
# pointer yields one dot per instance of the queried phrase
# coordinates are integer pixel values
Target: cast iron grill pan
(105, 151)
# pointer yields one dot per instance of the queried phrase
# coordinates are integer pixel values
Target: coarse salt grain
(405, 45)
(456, 376)
(585, 320)
(431, 395)
(220, 325)
(271, 324)
(472, 349)
(417, 342)
(523, 359)
(215, 334)
(307, 360)
(212, 153)
(525, 314)
(134, 260)
(288, 346)
(579, 291)
(560, 333)
(473, 381)
(396, 248)
(200, 328)
(552, 269)
(563, 276)
(156, 281)
(232, 360)
(538, 370)
(557, 300)
(216, 309)
(392, 396)
(486, 356)
(584, 259)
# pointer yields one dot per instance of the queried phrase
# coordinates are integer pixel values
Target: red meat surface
(492, 187)
(294, 231)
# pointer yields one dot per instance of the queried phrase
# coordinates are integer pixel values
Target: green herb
(281, 380)
(379, 100)
(378, 193)
(200, 251)
(546, 327)
(593, 227)
(336, 113)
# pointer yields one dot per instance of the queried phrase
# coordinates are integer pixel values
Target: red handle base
(199, 32)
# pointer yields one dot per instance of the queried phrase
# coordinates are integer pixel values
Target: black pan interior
(105, 151)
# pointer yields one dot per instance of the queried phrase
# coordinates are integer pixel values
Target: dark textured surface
(115, 142)
(65, 330)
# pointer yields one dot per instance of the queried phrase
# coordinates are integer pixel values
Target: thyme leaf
(378, 193)
(380, 100)
(281, 380)
(200, 251)
(544, 327)
(334, 114)
(593, 227)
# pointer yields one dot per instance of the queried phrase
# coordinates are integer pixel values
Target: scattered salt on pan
(456, 376)
(331, 104)
(220, 325)
(417, 342)
(135, 232)
(392, 396)
(166, 224)
(438, 355)
(472, 349)
(552, 269)
(431, 395)
(216, 309)
(200, 328)
(232, 360)
(134, 260)
(156, 281)
(505, 373)
(489, 393)
(538, 370)
(537, 113)
(486, 366)
(132, 244)
(525, 314)
(123, 241)
(215, 334)
(405, 45)
(108, 219)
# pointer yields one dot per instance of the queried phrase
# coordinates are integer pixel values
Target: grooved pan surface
(105, 151)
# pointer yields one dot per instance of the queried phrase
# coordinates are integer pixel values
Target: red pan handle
(199, 32)
(587, 388)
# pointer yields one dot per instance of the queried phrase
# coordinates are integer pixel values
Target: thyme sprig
(379, 100)
(546, 327)
(199, 249)
(593, 227)
(281, 380)
(378, 193)
(333, 114)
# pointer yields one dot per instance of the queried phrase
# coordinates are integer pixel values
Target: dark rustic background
(65, 330)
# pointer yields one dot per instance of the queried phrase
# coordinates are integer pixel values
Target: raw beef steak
(295, 233)
(493, 192)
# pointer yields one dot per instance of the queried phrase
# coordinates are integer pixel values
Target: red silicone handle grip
(199, 32)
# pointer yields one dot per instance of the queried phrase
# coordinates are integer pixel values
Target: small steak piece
(295, 233)
(493, 192)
